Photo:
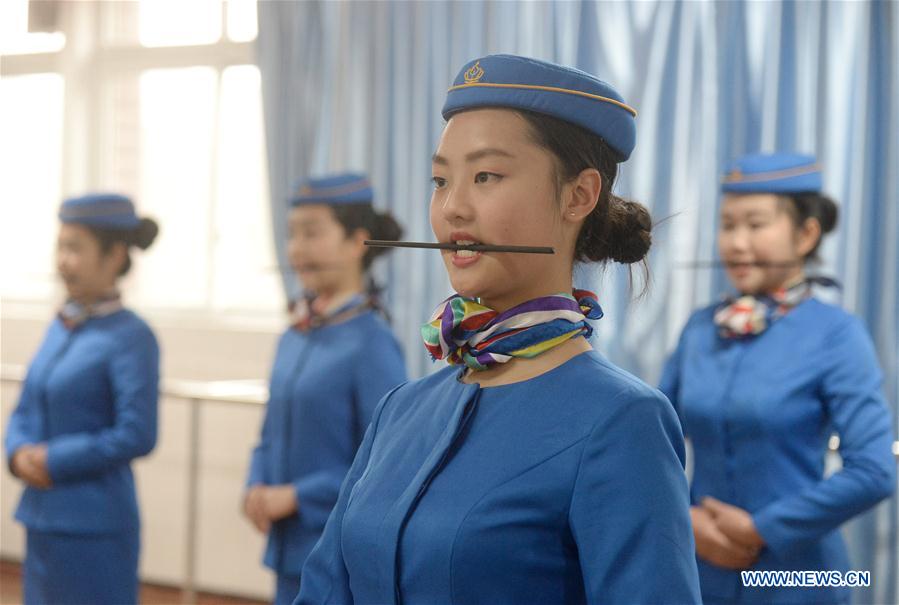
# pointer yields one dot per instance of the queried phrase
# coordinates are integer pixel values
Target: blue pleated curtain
(359, 85)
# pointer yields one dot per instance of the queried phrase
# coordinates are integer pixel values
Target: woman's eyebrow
(474, 155)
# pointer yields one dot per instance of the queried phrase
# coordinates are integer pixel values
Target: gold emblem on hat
(734, 175)
(474, 73)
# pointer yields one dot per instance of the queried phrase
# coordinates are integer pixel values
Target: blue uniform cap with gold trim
(773, 173)
(347, 188)
(542, 87)
(104, 210)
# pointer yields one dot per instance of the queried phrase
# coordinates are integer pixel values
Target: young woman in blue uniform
(538, 472)
(331, 368)
(762, 380)
(86, 410)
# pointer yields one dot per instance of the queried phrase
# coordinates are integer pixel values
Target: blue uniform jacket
(91, 394)
(324, 387)
(565, 488)
(759, 413)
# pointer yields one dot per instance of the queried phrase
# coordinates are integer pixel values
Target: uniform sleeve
(325, 577)
(24, 424)
(630, 509)
(851, 392)
(669, 383)
(23, 427)
(134, 379)
(380, 369)
(256, 474)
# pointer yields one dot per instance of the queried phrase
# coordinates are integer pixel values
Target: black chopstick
(473, 247)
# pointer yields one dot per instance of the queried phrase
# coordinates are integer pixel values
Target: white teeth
(465, 253)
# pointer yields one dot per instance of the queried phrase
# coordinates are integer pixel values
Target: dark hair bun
(145, 233)
(623, 234)
(629, 231)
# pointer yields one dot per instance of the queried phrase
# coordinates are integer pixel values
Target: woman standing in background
(331, 367)
(88, 407)
(762, 380)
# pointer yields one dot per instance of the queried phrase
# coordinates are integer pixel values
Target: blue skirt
(78, 569)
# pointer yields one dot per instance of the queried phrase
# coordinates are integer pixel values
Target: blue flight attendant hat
(773, 173)
(104, 210)
(347, 188)
(542, 87)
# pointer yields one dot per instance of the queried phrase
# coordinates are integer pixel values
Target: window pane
(242, 20)
(14, 36)
(246, 275)
(177, 120)
(31, 111)
(120, 146)
(180, 22)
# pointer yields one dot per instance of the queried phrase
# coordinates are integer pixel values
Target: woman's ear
(807, 236)
(114, 258)
(358, 238)
(582, 195)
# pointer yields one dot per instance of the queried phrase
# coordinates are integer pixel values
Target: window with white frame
(157, 99)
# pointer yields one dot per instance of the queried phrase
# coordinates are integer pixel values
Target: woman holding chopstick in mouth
(530, 470)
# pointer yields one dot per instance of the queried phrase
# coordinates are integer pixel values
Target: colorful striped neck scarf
(747, 315)
(305, 316)
(463, 331)
(74, 313)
